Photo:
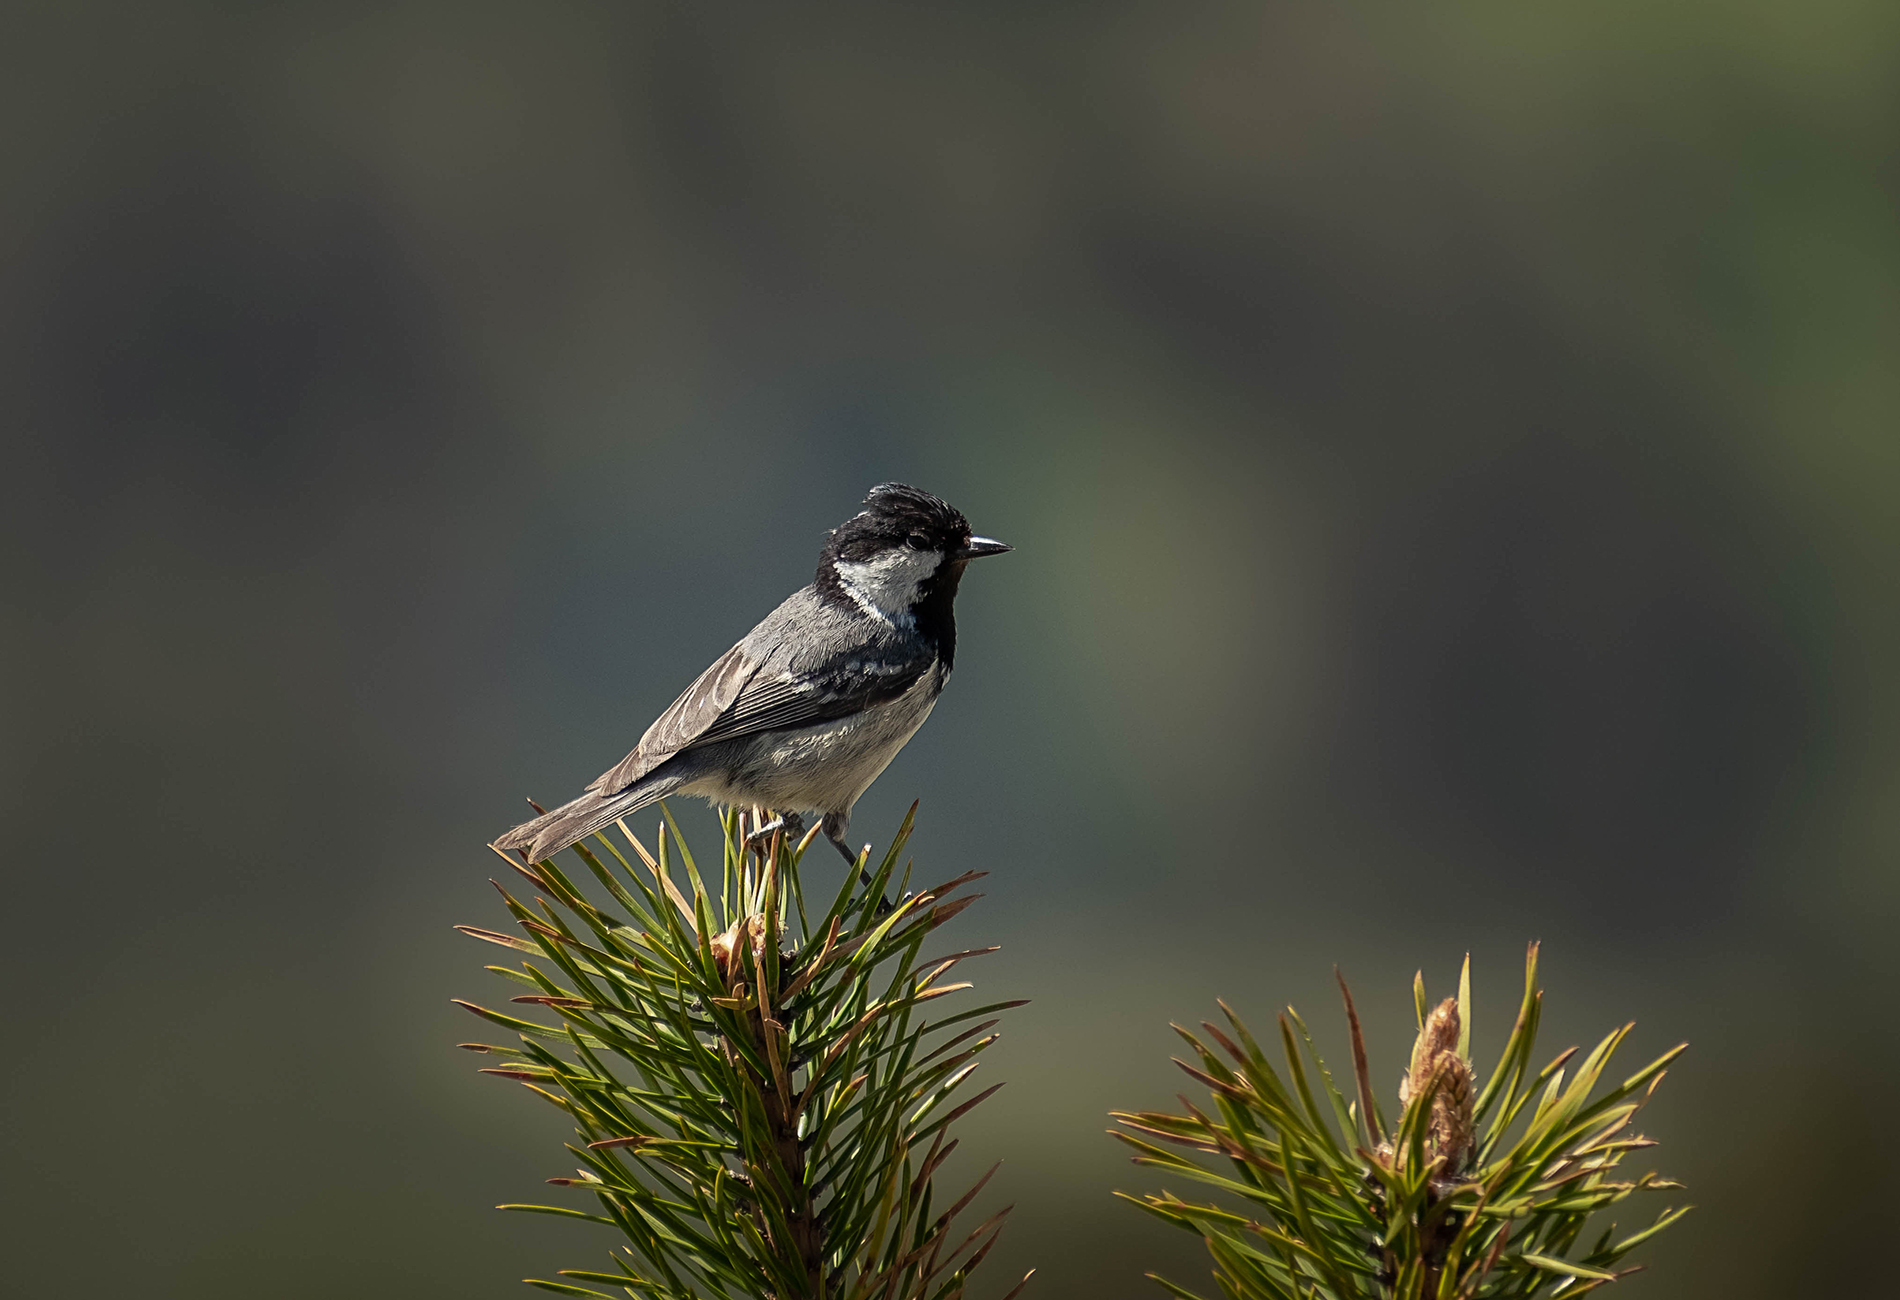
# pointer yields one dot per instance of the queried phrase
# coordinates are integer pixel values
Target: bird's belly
(823, 768)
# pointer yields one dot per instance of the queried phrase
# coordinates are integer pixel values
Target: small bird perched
(805, 712)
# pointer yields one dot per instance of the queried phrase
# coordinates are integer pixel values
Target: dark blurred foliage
(1450, 449)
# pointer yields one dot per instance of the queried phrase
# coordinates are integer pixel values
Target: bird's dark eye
(917, 542)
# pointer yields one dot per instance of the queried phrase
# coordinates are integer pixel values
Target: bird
(806, 711)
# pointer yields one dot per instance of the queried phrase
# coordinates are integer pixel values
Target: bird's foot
(885, 906)
(761, 839)
(835, 828)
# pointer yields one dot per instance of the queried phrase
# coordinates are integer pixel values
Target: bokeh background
(1451, 451)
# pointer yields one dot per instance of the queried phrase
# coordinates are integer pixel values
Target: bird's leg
(835, 826)
(790, 822)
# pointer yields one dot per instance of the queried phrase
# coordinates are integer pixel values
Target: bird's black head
(895, 515)
(900, 558)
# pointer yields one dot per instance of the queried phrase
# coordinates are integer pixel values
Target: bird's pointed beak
(979, 546)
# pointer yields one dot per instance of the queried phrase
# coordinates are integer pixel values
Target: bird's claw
(884, 906)
(791, 823)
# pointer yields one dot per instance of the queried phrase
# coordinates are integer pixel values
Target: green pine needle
(762, 1090)
(1460, 1201)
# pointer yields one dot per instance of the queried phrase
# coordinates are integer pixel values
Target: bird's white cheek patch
(886, 587)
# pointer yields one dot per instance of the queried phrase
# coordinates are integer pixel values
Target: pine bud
(1435, 1057)
(726, 950)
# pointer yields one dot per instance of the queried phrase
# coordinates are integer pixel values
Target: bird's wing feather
(833, 690)
(685, 720)
(774, 680)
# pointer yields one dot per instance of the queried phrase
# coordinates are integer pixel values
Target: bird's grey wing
(791, 697)
(686, 719)
(803, 665)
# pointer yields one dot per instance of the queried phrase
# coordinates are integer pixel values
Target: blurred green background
(1451, 451)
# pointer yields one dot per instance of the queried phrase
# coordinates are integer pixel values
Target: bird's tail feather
(573, 822)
